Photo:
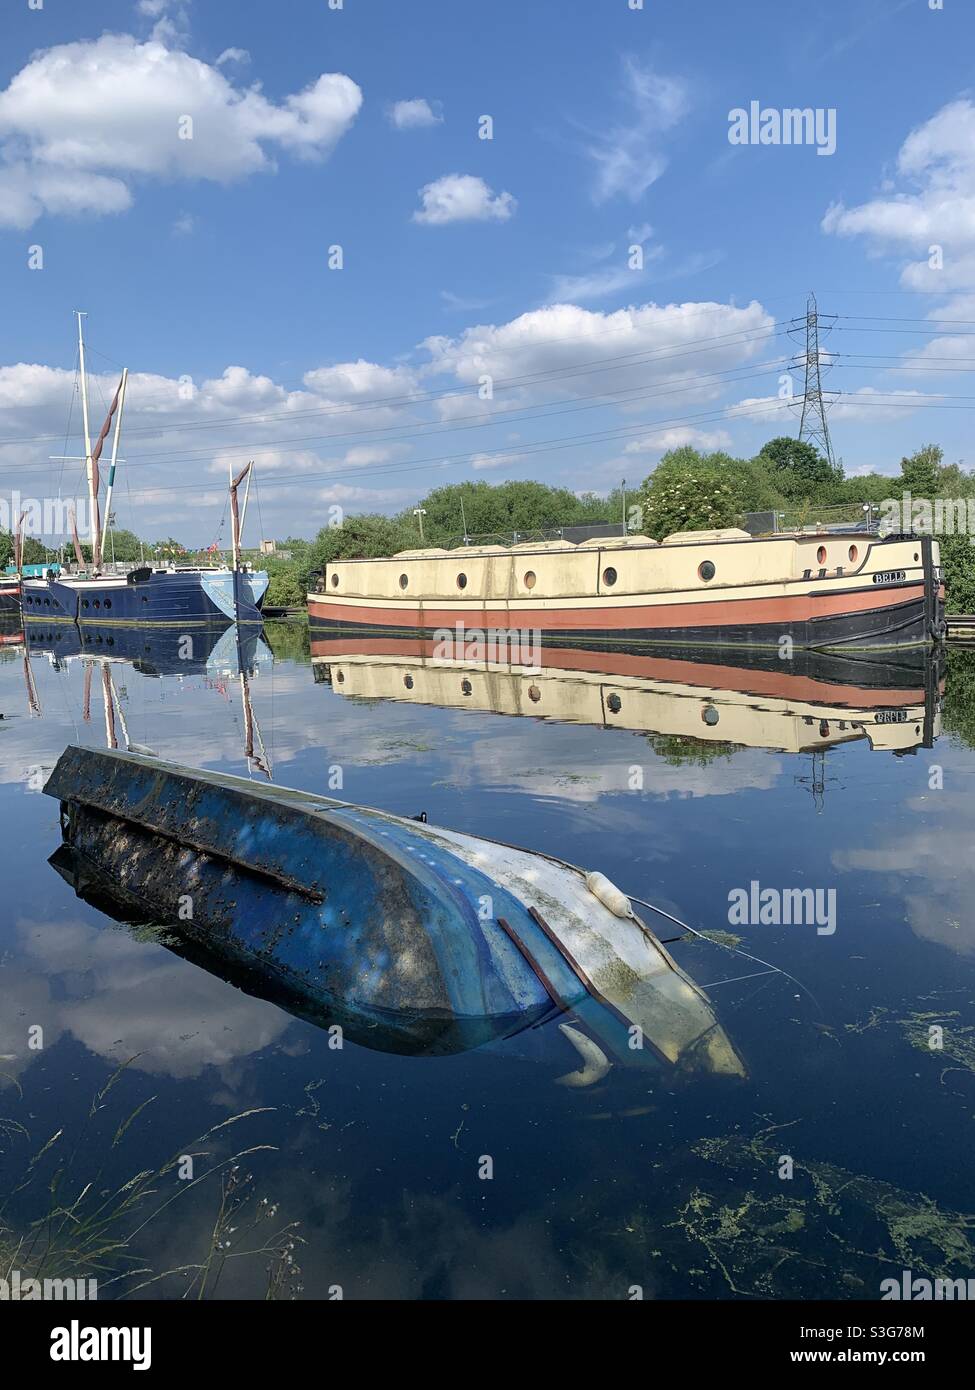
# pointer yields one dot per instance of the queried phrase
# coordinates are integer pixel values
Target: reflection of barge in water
(700, 589)
(804, 705)
(153, 650)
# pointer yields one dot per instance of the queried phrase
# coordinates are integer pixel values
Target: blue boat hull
(174, 598)
(415, 939)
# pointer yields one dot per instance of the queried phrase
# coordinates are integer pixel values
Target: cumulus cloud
(706, 440)
(462, 198)
(628, 157)
(82, 120)
(415, 114)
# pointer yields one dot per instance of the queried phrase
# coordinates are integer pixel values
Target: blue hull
(174, 598)
(153, 650)
(414, 939)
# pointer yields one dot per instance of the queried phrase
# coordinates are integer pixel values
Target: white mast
(234, 538)
(89, 466)
(111, 471)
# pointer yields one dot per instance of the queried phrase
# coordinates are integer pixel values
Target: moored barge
(694, 589)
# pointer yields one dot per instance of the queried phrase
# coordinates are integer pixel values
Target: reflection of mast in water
(33, 702)
(261, 761)
(817, 779)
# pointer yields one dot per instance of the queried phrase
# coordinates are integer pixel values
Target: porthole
(462, 581)
(335, 581)
(408, 682)
(108, 603)
(705, 570)
(534, 694)
(853, 553)
(821, 555)
(98, 603)
(403, 581)
(916, 557)
(609, 577)
(145, 599)
(85, 603)
(614, 704)
(710, 716)
(466, 688)
(340, 677)
(48, 602)
(530, 579)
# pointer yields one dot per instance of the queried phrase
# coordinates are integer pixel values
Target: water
(651, 1182)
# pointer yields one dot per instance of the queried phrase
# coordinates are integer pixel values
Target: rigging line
(902, 318)
(647, 357)
(481, 419)
(736, 950)
(626, 327)
(766, 408)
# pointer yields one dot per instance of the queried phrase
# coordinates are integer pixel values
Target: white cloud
(414, 115)
(480, 462)
(934, 206)
(83, 119)
(184, 225)
(628, 157)
(233, 55)
(462, 198)
(706, 440)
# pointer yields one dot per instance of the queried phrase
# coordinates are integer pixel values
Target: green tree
(6, 549)
(799, 470)
(688, 491)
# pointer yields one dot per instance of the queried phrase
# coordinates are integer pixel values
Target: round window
(403, 581)
(408, 682)
(340, 677)
(108, 603)
(853, 553)
(710, 716)
(609, 577)
(335, 581)
(534, 694)
(706, 570)
(821, 554)
(462, 581)
(530, 579)
(466, 688)
(614, 704)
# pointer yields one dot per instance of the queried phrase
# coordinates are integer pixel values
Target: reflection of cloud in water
(939, 854)
(586, 773)
(119, 996)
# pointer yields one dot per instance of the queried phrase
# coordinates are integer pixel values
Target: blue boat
(412, 938)
(179, 597)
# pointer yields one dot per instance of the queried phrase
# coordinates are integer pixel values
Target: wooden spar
(120, 402)
(235, 526)
(77, 544)
(89, 462)
(19, 544)
(33, 703)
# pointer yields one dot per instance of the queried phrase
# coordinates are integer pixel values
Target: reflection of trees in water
(289, 641)
(959, 711)
(679, 750)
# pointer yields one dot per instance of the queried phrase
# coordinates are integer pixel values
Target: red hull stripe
(743, 612)
(710, 676)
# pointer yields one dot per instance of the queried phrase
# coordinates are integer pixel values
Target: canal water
(172, 1135)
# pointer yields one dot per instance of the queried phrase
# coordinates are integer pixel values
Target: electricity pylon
(812, 425)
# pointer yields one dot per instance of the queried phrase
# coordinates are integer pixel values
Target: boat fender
(596, 1063)
(609, 895)
(143, 749)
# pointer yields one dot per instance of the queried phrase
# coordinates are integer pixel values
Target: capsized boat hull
(434, 939)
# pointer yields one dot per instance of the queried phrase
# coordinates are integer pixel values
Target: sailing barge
(694, 589)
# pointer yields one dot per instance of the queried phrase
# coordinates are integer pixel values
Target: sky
(379, 246)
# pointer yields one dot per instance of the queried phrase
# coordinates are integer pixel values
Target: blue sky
(203, 263)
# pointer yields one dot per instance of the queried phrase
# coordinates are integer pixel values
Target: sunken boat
(412, 938)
